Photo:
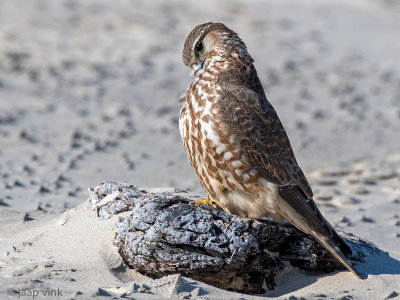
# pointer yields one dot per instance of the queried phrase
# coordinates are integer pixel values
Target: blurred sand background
(89, 93)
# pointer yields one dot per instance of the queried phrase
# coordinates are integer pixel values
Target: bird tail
(302, 212)
(329, 245)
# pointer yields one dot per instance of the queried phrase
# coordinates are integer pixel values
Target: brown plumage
(236, 143)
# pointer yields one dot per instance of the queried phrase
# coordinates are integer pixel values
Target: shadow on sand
(367, 258)
(373, 261)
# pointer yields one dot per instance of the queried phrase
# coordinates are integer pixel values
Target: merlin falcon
(236, 143)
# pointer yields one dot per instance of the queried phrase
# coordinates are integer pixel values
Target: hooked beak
(198, 66)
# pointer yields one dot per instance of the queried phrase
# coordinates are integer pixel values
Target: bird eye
(199, 47)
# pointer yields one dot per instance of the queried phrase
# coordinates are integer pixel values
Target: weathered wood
(166, 233)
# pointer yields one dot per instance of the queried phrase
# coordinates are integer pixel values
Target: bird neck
(219, 63)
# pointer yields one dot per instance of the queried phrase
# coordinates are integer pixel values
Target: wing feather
(263, 139)
(255, 123)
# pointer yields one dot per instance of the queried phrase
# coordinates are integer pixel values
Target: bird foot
(199, 202)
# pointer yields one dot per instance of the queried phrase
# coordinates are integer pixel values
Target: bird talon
(199, 202)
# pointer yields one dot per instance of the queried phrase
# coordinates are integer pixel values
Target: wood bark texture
(164, 232)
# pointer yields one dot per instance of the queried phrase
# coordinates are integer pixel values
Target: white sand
(89, 91)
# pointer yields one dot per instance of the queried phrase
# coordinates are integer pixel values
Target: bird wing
(263, 140)
(255, 124)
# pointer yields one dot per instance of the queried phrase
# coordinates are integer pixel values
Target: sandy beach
(89, 93)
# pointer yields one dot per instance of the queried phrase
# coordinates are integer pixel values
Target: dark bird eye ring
(199, 46)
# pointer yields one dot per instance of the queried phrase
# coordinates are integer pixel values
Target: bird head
(210, 43)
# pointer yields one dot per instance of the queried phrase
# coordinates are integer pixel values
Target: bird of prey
(236, 143)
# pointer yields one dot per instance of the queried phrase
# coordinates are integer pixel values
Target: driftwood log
(165, 233)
